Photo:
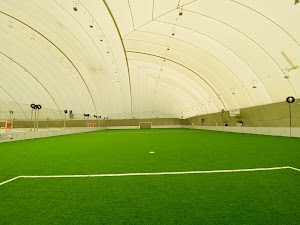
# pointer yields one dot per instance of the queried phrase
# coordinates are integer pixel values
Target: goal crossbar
(145, 125)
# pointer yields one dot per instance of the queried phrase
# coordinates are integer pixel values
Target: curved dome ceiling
(149, 58)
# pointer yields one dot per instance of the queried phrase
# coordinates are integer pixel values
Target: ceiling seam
(139, 68)
(56, 48)
(205, 66)
(154, 79)
(14, 101)
(121, 39)
(243, 35)
(226, 48)
(153, 19)
(197, 105)
(34, 78)
(40, 56)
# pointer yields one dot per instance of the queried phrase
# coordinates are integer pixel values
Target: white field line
(151, 174)
(293, 168)
(10, 180)
(156, 174)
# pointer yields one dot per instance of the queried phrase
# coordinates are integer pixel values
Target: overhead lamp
(286, 74)
(290, 100)
(180, 12)
(91, 23)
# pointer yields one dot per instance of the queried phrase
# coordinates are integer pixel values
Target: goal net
(91, 124)
(5, 126)
(145, 125)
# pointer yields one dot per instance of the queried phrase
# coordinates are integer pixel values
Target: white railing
(273, 131)
(18, 135)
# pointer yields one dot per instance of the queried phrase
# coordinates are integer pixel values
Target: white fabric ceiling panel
(150, 58)
(141, 11)
(121, 11)
(162, 7)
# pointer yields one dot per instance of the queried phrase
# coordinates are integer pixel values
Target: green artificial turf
(264, 197)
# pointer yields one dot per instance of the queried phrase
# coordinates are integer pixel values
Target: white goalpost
(145, 125)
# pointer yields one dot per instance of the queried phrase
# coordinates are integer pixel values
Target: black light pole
(99, 117)
(32, 108)
(290, 100)
(95, 119)
(38, 116)
(71, 117)
(223, 111)
(35, 108)
(86, 118)
(65, 111)
(10, 113)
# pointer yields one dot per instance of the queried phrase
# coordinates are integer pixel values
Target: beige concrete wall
(102, 123)
(272, 115)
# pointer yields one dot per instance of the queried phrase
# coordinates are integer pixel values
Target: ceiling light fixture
(181, 11)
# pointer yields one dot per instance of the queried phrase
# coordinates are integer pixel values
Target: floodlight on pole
(65, 111)
(290, 100)
(10, 113)
(223, 111)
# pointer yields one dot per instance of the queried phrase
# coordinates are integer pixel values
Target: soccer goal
(145, 125)
(5, 126)
(91, 124)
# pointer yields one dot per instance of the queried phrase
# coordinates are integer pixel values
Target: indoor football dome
(101, 95)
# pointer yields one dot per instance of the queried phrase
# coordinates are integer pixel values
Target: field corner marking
(10, 180)
(293, 168)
